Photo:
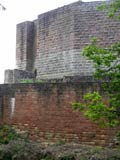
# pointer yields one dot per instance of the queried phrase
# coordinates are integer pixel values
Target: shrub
(7, 134)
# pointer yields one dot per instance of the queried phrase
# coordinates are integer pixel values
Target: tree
(111, 7)
(107, 64)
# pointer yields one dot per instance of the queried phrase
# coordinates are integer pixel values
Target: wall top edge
(84, 6)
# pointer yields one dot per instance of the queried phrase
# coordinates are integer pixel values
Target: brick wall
(44, 111)
(52, 43)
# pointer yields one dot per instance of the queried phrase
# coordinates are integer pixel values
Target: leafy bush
(67, 157)
(7, 134)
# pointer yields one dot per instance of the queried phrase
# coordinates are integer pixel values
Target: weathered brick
(41, 112)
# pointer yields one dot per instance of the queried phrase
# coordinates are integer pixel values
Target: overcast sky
(19, 11)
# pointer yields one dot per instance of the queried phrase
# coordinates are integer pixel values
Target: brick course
(44, 111)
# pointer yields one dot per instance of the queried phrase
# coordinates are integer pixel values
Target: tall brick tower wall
(52, 44)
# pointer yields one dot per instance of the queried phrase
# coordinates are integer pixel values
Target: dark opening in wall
(1, 107)
(35, 73)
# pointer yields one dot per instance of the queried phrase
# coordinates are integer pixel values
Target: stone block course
(17, 76)
(52, 43)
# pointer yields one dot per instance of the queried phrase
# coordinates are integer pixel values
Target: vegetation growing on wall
(31, 81)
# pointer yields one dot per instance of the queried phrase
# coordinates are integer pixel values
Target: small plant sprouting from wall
(26, 81)
(60, 142)
(31, 81)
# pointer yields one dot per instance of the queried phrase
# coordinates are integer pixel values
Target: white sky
(19, 11)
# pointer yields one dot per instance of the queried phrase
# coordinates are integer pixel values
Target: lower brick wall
(44, 111)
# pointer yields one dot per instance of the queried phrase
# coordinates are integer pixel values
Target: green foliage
(47, 157)
(118, 135)
(39, 81)
(106, 61)
(107, 65)
(7, 134)
(112, 8)
(31, 81)
(26, 81)
(7, 156)
(60, 142)
(67, 157)
(94, 108)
